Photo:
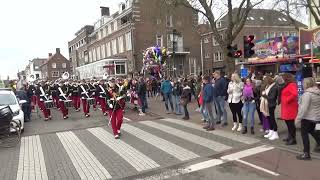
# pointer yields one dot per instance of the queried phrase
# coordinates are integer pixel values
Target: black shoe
(291, 142)
(244, 130)
(252, 130)
(317, 149)
(185, 118)
(286, 139)
(206, 127)
(304, 156)
(224, 124)
(211, 128)
(218, 122)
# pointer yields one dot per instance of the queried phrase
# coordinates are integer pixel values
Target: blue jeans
(167, 99)
(248, 111)
(204, 112)
(221, 110)
(143, 100)
(177, 104)
(211, 110)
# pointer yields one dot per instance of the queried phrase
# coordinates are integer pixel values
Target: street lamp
(175, 35)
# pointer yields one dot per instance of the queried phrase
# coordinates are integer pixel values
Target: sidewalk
(158, 107)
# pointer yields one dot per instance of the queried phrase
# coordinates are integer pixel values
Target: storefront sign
(299, 80)
(306, 37)
(278, 46)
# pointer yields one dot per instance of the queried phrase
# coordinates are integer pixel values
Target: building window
(55, 74)
(272, 34)
(216, 56)
(265, 35)
(220, 56)
(109, 29)
(98, 53)
(293, 33)
(115, 26)
(120, 68)
(94, 55)
(214, 42)
(108, 49)
(114, 47)
(120, 43)
(207, 55)
(160, 40)
(102, 33)
(286, 33)
(90, 56)
(64, 65)
(158, 21)
(218, 24)
(103, 51)
(206, 40)
(169, 21)
(36, 67)
(106, 30)
(128, 41)
(54, 65)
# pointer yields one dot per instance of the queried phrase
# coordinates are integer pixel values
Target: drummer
(63, 94)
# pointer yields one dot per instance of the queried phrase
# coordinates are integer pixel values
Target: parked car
(8, 98)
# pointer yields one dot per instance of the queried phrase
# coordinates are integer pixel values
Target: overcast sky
(33, 28)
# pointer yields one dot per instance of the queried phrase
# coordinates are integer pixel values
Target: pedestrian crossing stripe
(87, 165)
(170, 148)
(135, 158)
(218, 147)
(217, 132)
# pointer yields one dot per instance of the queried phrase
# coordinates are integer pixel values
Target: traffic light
(234, 52)
(248, 46)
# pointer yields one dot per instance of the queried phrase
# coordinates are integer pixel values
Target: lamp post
(175, 35)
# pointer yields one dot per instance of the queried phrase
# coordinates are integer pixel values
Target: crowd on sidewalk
(259, 93)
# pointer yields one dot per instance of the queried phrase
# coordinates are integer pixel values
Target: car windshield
(7, 99)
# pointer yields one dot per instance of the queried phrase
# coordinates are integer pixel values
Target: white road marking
(134, 157)
(232, 136)
(216, 146)
(127, 119)
(170, 148)
(258, 167)
(246, 153)
(85, 163)
(31, 160)
(210, 163)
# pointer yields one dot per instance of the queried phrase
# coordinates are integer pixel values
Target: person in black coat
(142, 91)
(26, 107)
(185, 99)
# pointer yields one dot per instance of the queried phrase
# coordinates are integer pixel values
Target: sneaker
(142, 114)
(198, 110)
(46, 119)
(65, 117)
(211, 128)
(117, 136)
(304, 156)
(239, 128)
(274, 136)
(235, 125)
(206, 127)
(119, 132)
(218, 122)
(269, 134)
(291, 142)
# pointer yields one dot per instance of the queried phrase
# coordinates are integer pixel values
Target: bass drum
(48, 104)
(91, 101)
(68, 103)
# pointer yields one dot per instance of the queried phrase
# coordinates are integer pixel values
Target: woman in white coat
(235, 89)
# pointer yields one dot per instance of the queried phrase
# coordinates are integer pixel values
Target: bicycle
(10, 130)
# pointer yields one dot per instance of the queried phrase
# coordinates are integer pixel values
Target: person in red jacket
(289, 106)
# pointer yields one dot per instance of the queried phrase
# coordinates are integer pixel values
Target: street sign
(244, 72)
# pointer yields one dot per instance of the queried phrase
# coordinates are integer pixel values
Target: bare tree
(213, 10)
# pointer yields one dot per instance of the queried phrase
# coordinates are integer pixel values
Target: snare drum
(91, 101)
(48, 104)
(68, 103)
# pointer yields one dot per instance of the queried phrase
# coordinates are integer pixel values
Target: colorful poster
(285, 45)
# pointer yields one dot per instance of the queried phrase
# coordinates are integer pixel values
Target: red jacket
(289, 102)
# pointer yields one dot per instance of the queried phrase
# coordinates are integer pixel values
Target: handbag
(183, 102)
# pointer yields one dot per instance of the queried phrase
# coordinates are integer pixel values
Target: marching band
(65, 93)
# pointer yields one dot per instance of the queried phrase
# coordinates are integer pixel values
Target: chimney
(105, 11)
(58, 50)
(50, 54)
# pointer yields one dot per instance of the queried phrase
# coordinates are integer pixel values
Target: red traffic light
(250, 38)
(237, 54)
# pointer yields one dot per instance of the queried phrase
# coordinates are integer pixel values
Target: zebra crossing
(94, 153)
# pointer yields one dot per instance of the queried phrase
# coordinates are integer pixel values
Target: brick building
(118, 40)
(262, 23)
(78, 47)
(55, 66)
